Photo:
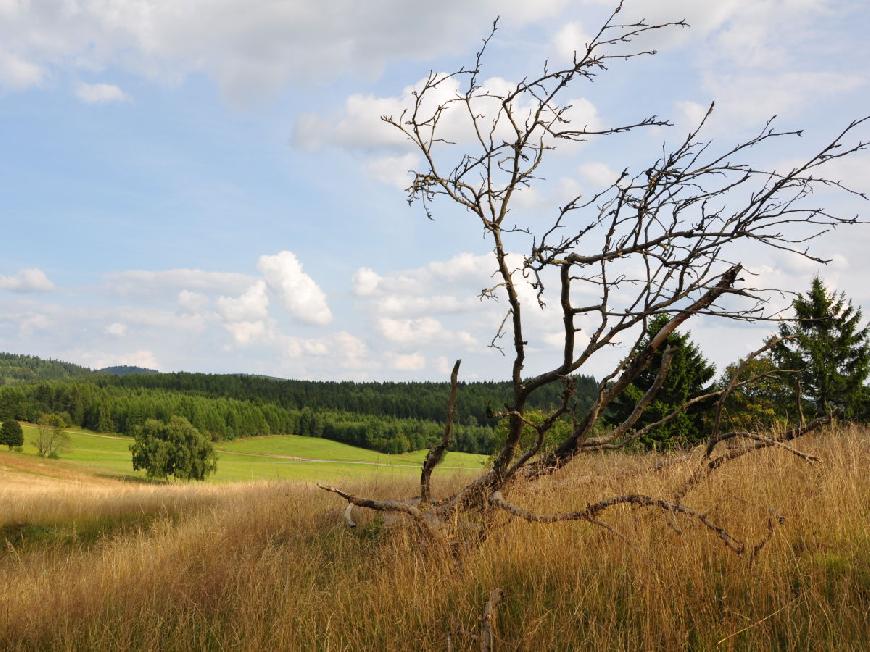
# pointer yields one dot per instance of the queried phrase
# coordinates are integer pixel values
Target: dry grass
(270, 566)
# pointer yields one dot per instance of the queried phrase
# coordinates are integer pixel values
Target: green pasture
(272, 457)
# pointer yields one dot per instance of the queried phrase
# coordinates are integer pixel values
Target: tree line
(405, 400)
(123, 409)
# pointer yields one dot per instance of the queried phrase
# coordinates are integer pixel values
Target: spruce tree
(829, 351)
(689, 375)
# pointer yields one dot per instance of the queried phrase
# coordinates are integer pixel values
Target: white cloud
(421, 332)
(27, 322)
(301, 296)
(343, 350)
(691, 114)
(408, 331)
(599, 175)
(18, 74)
(158, 319)
(442, 365)
(250, 48)
(192, 301)
(116, 329)
(397, 304)
(140, 359)
(134, 282)
(27, 280)
(751, 98)
(365, 281)
(394, 171)
(359, 126)
(252, 305)
(100, 93)
(569, 39)
(245, 332)
(407, 361)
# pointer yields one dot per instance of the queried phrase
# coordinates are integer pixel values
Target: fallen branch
(402, 507)
(639, 500)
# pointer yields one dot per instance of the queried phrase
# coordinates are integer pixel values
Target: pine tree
(689, 375)
(829, 350)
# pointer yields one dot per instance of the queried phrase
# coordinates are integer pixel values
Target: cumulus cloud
(27, 280)
(300, 295)
(251, 306)
(365, 281)
(100, 93)
(245, 332)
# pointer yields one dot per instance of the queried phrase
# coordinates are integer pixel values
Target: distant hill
(17, 368)
(126, 370)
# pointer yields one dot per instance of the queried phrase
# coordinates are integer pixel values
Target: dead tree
(664, 240)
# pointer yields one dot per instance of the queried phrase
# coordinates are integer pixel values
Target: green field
(272, 457)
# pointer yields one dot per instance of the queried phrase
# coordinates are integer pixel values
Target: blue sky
(206, 185)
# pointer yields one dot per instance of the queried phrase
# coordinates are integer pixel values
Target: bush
(175, 448)
(11, 434)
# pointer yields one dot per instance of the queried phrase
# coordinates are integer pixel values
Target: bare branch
(436, 453)
(639, 500)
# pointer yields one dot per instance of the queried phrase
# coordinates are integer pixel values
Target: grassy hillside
(90, 562)
(276, 457)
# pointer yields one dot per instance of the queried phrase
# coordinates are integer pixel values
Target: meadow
(272, 457)
(92, 561)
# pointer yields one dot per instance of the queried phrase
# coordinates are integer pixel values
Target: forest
(390, 417)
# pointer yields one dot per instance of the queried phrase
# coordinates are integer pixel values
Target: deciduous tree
(175, 448)
(51, 438)
(11, 434)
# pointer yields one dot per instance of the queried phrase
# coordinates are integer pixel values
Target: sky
(207, 185)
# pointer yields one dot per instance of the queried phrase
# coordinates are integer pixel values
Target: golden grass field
(90, 562)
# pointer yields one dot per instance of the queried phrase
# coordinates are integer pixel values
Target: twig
(758, 622)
